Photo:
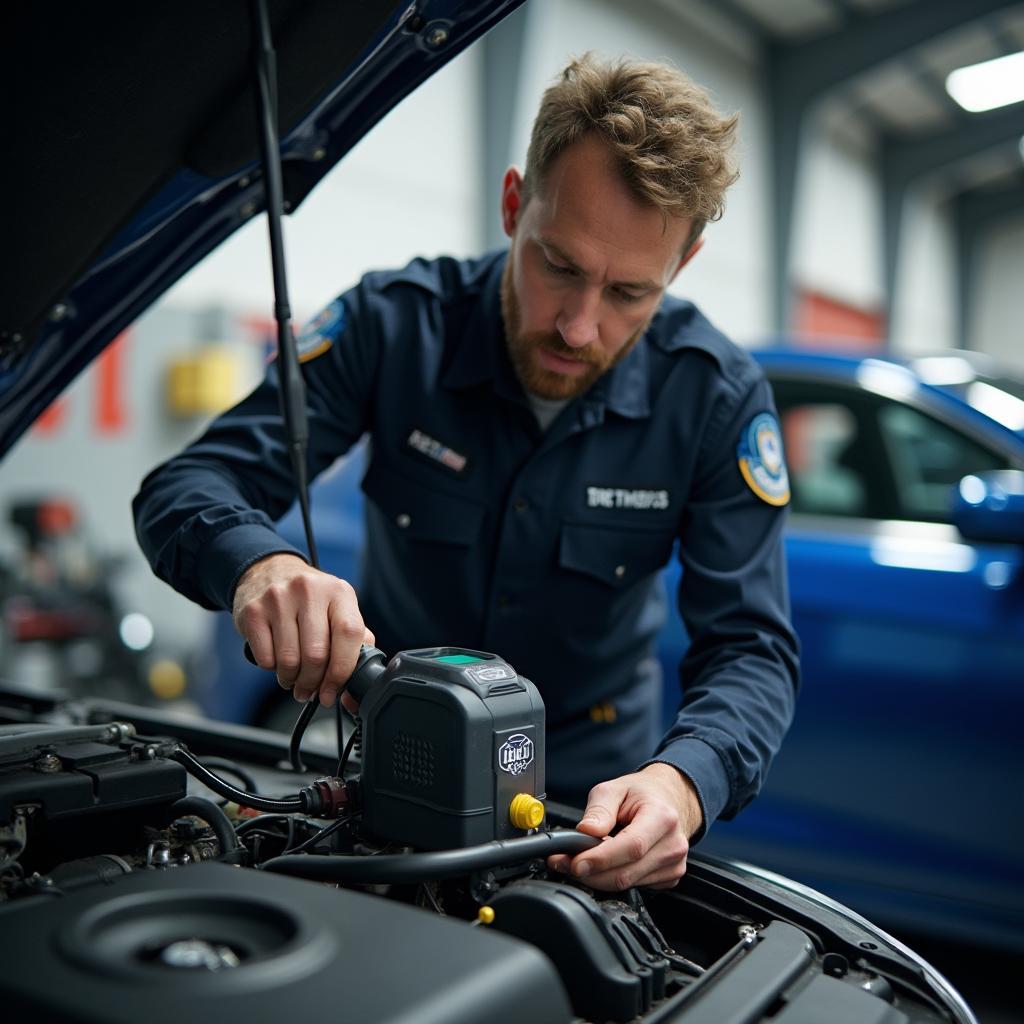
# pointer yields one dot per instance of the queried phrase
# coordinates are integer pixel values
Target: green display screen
(459, 659)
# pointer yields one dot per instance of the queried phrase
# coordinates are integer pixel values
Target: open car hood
(135, 149)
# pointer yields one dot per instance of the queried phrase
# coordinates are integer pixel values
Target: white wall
(926, 310)
(837, 221)
(997, 323)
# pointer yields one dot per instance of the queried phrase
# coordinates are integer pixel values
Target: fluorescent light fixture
(991, 84)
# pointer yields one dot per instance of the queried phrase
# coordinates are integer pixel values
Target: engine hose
(200, 807)
(293, 805)
(30, 737)
(425, 867)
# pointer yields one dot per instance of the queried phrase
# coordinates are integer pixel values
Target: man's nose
(578, 320)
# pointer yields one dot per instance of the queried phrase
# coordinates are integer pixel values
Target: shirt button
(620, 571)
(403, 519)
(520, 504)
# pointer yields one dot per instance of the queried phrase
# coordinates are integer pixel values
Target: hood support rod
(292, 386)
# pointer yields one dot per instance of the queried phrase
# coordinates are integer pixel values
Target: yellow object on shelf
(205, 383)
(167, 679)
(526, 811)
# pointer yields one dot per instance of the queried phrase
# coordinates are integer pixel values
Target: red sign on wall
(109, 411)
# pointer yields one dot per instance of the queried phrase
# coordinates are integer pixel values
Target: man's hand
(659, 807)
(301, 623)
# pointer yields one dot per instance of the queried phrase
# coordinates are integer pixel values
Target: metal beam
(502, 61)
(975, 214)
(906, 160)
(801, 72)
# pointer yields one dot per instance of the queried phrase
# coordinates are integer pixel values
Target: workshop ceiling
(902, 97)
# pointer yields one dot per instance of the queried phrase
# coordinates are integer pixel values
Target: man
(544, 425)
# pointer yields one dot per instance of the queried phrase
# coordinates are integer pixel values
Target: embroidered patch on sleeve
(322, 331)
(761, 459)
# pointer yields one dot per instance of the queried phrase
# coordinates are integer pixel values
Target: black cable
(423, 867)
(352, 740)
(432, 899)
(323, 833)
(246, 826)
(299, 730)
(232, 768)
(200, 807)
(288, 806)
(339, 731)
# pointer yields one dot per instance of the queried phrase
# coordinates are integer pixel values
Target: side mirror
(990, 507)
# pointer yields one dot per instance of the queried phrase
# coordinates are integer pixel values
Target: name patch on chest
(437, 452)
(625, 497)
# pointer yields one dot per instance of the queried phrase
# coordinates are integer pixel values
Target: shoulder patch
(322, 331)
(761, 459)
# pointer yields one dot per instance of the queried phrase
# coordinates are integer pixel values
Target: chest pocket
(421, 513)
(617, 556)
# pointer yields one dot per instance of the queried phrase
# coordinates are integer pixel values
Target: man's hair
(672, 148)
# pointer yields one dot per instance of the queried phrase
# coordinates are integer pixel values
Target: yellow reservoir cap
(485, 915)
(526, 811)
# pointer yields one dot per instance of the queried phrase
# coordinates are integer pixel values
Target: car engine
(163, 868)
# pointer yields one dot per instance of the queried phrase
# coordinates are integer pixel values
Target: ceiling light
(991, 84)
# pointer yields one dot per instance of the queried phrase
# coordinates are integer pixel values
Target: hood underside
(133, 149)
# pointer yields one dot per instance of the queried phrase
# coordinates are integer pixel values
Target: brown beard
(522, 347)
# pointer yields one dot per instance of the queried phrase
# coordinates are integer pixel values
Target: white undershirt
(546, 409)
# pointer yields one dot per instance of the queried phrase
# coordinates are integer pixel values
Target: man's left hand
(660, 811)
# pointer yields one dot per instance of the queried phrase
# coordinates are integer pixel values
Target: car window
(837, 463)
(852, 453)
(817, 438)
(928, 459)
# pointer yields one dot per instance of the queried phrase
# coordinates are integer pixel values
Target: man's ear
(511, 200)
(688, 255)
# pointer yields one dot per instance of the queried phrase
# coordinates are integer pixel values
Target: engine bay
(130, 889)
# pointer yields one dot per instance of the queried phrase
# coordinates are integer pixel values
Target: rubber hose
(425, 867)
(294, 805)
(213, 816)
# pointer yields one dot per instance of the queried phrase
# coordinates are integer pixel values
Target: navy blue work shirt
(483, 531)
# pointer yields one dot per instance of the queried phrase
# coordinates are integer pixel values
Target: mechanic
(545, 423)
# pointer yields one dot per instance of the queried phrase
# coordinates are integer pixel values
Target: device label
(515, 755)
(491, 673)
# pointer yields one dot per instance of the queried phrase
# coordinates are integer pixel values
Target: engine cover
(209, 943)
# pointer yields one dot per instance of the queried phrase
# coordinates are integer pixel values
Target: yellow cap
(526, 811)
(485, 915)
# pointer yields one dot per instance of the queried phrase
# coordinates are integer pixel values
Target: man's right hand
(301, 623)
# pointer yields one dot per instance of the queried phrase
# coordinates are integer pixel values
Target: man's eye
(625, 296)
(554, 268)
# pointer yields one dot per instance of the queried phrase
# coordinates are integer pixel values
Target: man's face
(587, 269)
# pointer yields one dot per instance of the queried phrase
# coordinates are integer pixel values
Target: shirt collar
(482, 355)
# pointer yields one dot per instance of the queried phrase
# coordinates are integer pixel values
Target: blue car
(898, 790)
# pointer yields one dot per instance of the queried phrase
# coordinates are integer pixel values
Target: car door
(899, 787)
